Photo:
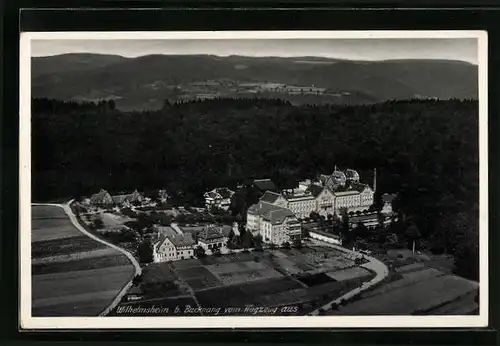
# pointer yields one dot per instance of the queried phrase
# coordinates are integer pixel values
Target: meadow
(72, 274)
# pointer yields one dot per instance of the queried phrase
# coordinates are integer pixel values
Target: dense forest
(425, 150)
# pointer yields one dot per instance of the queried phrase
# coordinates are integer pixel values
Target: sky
(464, 49)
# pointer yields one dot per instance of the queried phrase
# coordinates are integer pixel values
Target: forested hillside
(143, 82)
(427, 151)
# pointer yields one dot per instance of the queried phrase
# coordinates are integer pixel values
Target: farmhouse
(218, 198)
(276, 225)
(211, 238)
(126, 200)
(173, 247)
(101, 198)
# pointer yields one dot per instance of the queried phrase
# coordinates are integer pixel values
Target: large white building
(173, 247)
(331, 194)
(218, 198)
(276, 224)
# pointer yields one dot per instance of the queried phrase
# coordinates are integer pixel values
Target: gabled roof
(118, 199)
(178, 240)
(211, 194)
(210, 233)
(270, 197)
(182, 240)
(338, 175)
(315, 190)
(161, 239)
(224, 192)
(221, 192)
(100, 195)
(351, 173)
(131, 197)
(359, 187)
(323, 178)
(165, 230)
(264, 184)
(270, 212)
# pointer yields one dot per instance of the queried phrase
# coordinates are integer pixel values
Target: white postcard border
(29, 322)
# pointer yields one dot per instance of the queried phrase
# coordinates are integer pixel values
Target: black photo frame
(22, 16)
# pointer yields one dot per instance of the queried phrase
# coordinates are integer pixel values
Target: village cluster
(210, 89)
(277, 218)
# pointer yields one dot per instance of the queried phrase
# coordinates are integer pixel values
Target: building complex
(277, 215)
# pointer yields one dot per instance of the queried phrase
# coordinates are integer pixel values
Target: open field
(49, 223)
(112, 220)
(72, 274)
(262, 279)
(419, 290)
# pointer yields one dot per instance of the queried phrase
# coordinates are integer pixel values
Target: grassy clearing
(79, 265)
(52, 229)
(64, 246)
(76, 256)
(47, 211)
(407, 279)
(96, 280)
(89, 308)
(420, 296)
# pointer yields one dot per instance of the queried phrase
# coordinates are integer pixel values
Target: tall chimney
(374, 179)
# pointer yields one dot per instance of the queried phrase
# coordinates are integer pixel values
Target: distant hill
(72, 62)
(144, 82)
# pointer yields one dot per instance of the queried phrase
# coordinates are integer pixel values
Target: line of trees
(426, 150)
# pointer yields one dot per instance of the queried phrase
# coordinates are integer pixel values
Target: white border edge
(29, 322)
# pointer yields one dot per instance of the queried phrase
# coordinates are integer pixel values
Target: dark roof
(177, 239)
(210, 233)
(101, 194)
(264, 184)
(338, 175)
(323, 178)
(315, 190)
(351, 173)
(270, 212)
(388, 197)
(161, 240)
(180, 240)
(358, 186)
(270, 197)
(131, 197)
(119, 199)
(166, 230)
(224, 192)
(363, 217)
(211, 194)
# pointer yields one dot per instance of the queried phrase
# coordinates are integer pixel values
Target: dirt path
(373, 264)
(138, 270)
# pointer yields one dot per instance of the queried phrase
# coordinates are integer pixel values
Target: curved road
(138, 270)
(374, 264)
